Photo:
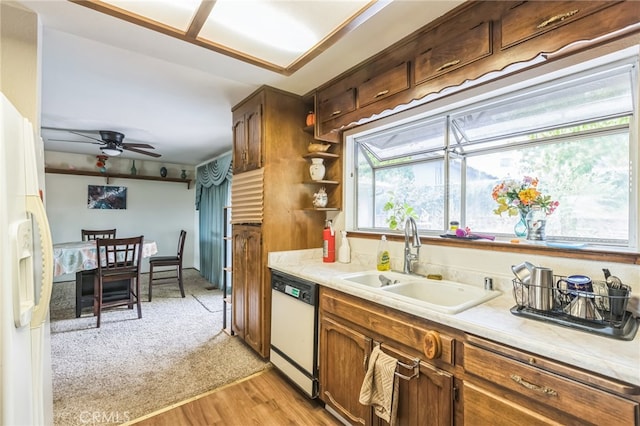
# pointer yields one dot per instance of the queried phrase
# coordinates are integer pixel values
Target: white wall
(158, 210)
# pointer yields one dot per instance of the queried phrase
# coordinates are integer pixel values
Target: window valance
(213, 173)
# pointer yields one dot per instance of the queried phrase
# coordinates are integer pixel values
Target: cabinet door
(426, 399)
(529, 19)
(239, 144)
(344, 355)
(254, 138)
(451, 55)
(238, 289)
(482, 407)
(384, 84)
(247, 136)
(254, 309)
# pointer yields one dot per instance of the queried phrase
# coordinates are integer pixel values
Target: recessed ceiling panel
(173, 13)
(276, 31)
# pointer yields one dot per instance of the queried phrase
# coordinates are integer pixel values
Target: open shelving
(108, 176)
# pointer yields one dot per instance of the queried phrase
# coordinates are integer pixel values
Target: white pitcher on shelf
(317, 169)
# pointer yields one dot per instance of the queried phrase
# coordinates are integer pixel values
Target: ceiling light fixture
(111, 151)
(262, 22)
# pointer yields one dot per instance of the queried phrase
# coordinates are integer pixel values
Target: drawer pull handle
(448, 65)
(542, 389)
(557, 18)
(384, 92)
(336, 112)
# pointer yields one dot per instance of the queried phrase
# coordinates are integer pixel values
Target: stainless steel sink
(439, 295)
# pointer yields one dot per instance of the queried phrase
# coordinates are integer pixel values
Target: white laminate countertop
(610, 357)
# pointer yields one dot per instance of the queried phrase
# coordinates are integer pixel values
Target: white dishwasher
(294, 330)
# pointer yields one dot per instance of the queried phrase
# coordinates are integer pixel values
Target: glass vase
(536, 224)
(520, 229)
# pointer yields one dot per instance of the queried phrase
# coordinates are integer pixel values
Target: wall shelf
(109, 176)
(324, 182)
(322, 154)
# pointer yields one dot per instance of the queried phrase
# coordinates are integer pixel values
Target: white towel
(380, 384)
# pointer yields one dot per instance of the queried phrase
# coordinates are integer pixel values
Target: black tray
(625, 329)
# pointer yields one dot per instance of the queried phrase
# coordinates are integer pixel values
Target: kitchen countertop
(492, 320)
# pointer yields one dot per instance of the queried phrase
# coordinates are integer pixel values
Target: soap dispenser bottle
(383, 261)
(344, 253)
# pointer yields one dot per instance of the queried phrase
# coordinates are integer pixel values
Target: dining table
(75, 256)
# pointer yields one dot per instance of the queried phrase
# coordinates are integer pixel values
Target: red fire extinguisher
(328, 243)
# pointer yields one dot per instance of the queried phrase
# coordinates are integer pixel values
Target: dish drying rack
(595, 312)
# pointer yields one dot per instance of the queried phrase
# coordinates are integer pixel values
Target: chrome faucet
(411, 231)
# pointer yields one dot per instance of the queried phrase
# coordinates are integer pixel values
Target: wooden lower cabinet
(483, 407)
(248, 292)
(425, 398)
(505, 386)
(463, 379)
(343, 362)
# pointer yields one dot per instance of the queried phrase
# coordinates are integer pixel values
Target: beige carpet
(131, 367)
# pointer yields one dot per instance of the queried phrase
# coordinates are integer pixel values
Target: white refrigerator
(26, 275)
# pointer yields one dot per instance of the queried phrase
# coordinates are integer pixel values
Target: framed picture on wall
(107, 197)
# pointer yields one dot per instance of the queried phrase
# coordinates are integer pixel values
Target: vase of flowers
(518, 198)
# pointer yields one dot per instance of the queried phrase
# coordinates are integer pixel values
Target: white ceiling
(102, 73)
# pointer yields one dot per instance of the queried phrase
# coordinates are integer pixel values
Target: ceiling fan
(111, 142)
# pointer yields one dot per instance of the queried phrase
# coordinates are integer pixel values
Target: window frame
(495, 89)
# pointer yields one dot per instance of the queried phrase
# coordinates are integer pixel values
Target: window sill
(587, 253)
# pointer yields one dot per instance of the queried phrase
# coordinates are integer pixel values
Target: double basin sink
(444, 296)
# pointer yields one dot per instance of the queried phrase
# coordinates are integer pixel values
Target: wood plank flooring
(265, 398)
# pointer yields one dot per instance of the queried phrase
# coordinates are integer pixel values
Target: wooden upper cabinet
(333, 105)
(384, 84)
(529, 19)
(247, 135)
(439, 56)
(474, 39)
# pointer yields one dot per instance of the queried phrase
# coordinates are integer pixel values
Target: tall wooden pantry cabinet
(271, 207)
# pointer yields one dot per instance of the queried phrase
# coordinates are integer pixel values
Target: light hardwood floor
(265, 398)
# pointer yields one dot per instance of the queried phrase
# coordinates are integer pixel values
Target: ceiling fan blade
(66, 140)
(86, 136)
(138, 145)
(139, 151)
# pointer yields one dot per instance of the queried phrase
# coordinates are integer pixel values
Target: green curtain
(213, 187)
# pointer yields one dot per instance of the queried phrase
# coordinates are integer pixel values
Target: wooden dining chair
(172, 261)
(119, 259)
(84, 279)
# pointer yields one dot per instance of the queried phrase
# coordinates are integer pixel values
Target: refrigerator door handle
(23, 299)
(36, 208)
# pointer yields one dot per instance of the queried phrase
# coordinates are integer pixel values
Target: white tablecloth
(75, 256)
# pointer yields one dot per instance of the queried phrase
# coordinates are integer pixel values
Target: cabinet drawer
(455, 53)
(383, 85)
(388, 324)
(532, 18)
(549, 389)
(336, 106)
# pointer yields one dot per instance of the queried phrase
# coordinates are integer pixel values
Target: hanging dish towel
(380, 384)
